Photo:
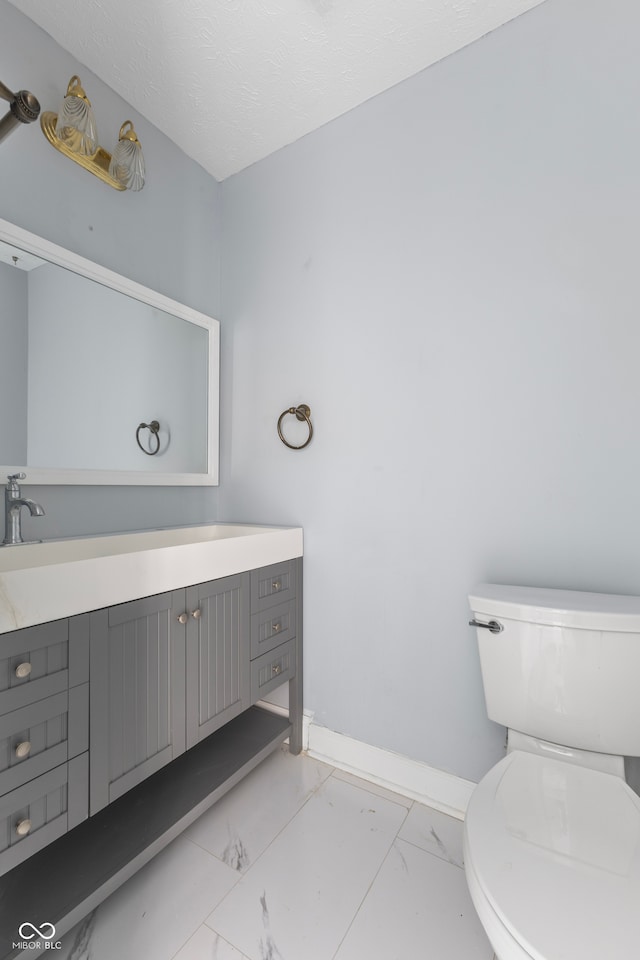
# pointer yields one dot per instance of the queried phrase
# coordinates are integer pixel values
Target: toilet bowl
(552, 860)
(552, 832)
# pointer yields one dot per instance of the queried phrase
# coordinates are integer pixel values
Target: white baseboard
(273, 707)
(411, 778)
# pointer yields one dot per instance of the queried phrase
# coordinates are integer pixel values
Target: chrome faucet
(13, 503)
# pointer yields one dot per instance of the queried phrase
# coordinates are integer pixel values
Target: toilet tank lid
(565, 608)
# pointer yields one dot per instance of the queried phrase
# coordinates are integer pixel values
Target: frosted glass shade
(127, 161)
(76, 125)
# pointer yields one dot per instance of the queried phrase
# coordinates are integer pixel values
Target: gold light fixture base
(97, 164)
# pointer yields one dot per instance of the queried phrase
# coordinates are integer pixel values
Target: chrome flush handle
(493, 626)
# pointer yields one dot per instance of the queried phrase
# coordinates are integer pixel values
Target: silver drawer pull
(183, 618)
(23, 749)
(23, 670)
(492, 626)
(23, 827)
(276, 626)
(276, 585)
(196, 614)
(276, 668)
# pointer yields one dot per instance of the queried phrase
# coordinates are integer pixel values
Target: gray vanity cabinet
(153, 703)
(137, 692)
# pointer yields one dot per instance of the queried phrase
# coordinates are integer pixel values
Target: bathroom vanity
(131, 667)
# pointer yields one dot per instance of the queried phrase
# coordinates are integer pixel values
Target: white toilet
(552, 832)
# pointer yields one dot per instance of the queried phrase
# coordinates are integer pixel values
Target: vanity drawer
(41, 661)
(45, 808)
(34, 815)
(43, 735)
(34, 664)
(272, 585)
(272, 669)
(271, 627)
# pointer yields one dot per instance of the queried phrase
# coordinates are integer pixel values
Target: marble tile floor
(298, 862)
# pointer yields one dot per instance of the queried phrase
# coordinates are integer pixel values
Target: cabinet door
(218, 638)
(137, 692)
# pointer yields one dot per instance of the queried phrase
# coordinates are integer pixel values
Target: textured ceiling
(230, 81)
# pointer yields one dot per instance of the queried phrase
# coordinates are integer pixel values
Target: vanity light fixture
(72, 131)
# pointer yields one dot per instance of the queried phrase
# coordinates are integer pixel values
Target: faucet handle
(13, 480)
(13, 486)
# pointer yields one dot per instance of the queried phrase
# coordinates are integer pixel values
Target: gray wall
(166, 237)
(447, 275)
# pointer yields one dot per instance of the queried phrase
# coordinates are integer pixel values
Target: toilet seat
(552, 856)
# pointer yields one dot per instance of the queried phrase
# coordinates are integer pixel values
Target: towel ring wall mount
(154, 430)
(302, 413)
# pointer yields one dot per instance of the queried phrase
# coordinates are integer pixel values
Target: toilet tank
(565, 667)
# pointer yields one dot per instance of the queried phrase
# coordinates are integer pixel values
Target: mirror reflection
(92, 379)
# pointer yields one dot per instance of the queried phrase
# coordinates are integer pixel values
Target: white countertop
(60, 578)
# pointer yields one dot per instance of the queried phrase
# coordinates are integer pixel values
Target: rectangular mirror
(102, 381)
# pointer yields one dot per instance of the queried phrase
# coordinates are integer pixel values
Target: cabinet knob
(23, 670)
(23, 827)
(275, 669)
(276, 626)
(276, 585)
(23, 749)
(196, 614)
(183, 618)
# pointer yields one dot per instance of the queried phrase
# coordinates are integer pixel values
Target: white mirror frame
(29, 242)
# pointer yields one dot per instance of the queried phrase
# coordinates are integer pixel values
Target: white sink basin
(47, 581)
(28, 555)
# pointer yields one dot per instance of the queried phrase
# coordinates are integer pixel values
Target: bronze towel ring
(303, 413)
(154, 428)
